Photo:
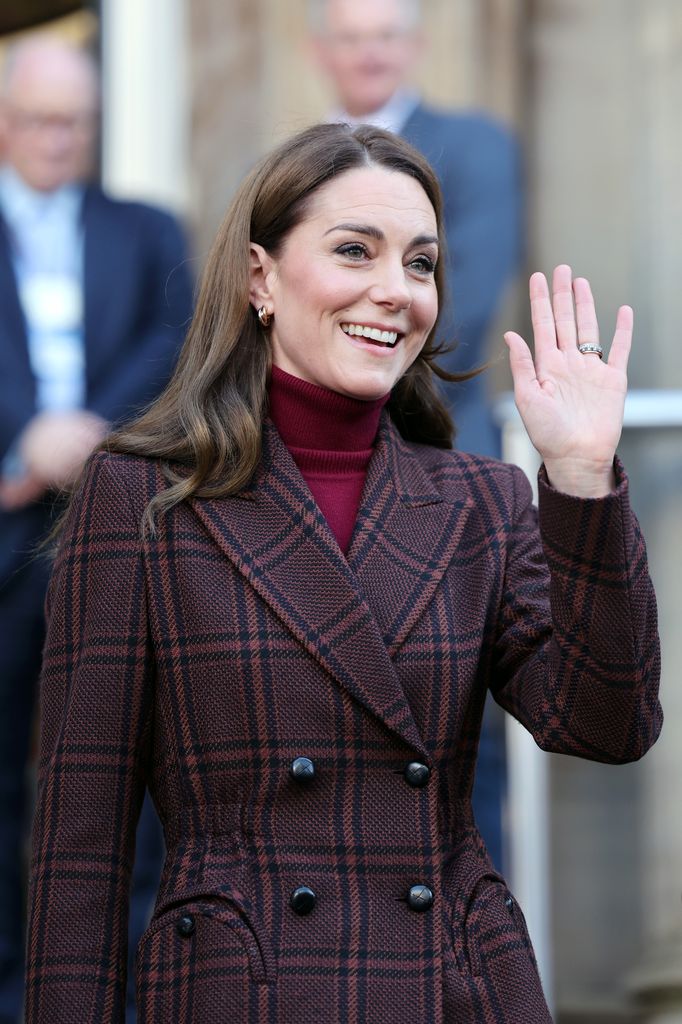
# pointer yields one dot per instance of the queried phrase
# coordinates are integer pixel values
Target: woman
(279, 600)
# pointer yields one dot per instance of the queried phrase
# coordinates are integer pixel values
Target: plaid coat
(208, 661)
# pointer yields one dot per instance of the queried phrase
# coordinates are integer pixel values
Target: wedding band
(589, 349)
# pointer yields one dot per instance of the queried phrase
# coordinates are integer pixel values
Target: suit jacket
(206, 659)
(138, 301)
(478, 165)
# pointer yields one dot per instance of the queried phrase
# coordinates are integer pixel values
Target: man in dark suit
(95, 297)
(368, 50)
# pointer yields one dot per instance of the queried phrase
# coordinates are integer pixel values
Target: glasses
(355, 40)
(37, 122)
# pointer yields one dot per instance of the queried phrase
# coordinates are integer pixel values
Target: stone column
(145, 143)
(657, 982)
(230, 119)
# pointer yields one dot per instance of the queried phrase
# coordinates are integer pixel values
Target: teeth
(373, 333)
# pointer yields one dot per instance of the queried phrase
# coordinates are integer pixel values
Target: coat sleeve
(95, 708)
(577, 658)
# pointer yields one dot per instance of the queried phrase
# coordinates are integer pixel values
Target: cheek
(428, 309)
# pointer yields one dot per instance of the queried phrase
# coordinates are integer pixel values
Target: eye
(423, 264)
(354, 250)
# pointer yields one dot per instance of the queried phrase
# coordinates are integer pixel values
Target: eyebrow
(372, 232)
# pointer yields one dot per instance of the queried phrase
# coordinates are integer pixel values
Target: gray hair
(317, 11)
(39, 45)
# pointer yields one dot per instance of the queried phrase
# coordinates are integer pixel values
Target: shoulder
(113, 481)
(454, 126)
(127, 210)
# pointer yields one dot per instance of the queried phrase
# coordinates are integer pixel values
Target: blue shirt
(46, 244)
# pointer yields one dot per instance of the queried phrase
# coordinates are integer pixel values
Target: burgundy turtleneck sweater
(331, 439)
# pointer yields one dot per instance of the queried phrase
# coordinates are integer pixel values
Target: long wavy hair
(206, 426)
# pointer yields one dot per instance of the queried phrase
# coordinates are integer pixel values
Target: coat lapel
(276, 536)
(405, 537)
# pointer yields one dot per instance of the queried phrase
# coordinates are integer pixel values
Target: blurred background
(194, 92)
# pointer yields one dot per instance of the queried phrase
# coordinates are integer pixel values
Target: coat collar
(351, 614)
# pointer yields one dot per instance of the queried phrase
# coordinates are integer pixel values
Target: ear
(261, 269)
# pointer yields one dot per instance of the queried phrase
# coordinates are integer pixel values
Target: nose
(390, 287)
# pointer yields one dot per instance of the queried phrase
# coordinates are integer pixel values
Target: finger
(562, 301)
(542, 316)
(622, 339)
(521, 364)
(585, 313)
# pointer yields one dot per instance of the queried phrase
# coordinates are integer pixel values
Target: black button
(186, 925)
(420, 898)
(302, 770)
(417, 774)
(509, 903)
(302, 900)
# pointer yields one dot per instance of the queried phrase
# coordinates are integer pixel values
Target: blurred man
(368, 51)
(95, 297)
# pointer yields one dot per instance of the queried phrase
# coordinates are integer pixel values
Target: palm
(571, 403)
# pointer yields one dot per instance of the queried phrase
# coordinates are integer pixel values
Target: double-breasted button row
(419, 898)
(302, 769)
(416, 774)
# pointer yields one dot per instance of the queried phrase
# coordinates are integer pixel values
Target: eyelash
(349, 248)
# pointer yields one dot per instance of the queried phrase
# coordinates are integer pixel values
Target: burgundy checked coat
(205, 661)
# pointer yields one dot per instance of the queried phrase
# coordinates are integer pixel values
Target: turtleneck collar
(311, 417)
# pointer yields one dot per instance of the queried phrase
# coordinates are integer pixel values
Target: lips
(373, 334)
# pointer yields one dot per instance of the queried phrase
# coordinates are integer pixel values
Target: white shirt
(392, 117)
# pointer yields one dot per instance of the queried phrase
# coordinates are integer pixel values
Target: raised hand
(571, 402)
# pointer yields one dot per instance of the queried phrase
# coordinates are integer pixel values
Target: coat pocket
(490, 971)
(495, 931)
(198, 958)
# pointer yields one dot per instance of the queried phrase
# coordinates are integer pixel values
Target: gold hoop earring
(264, 317)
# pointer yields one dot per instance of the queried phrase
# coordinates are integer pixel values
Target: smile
(371, 334)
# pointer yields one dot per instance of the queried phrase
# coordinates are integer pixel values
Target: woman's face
(353, 291)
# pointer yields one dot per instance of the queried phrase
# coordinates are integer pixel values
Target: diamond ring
(589, 349)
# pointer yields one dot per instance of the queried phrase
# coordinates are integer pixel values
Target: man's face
(367, 48)
(48, 118)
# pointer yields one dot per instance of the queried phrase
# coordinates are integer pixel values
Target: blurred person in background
(368, 51)
(95, 298)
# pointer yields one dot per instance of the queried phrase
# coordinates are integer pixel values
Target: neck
(309, 416)
(330, 438)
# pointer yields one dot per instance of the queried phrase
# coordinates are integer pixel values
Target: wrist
(581, 478)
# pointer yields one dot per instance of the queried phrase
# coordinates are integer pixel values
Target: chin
(366, 387)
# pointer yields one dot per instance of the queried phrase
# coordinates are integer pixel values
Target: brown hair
(206, 426)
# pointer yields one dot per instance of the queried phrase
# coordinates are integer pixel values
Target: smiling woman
(353, 289)
(279, 600)
(291, 237)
